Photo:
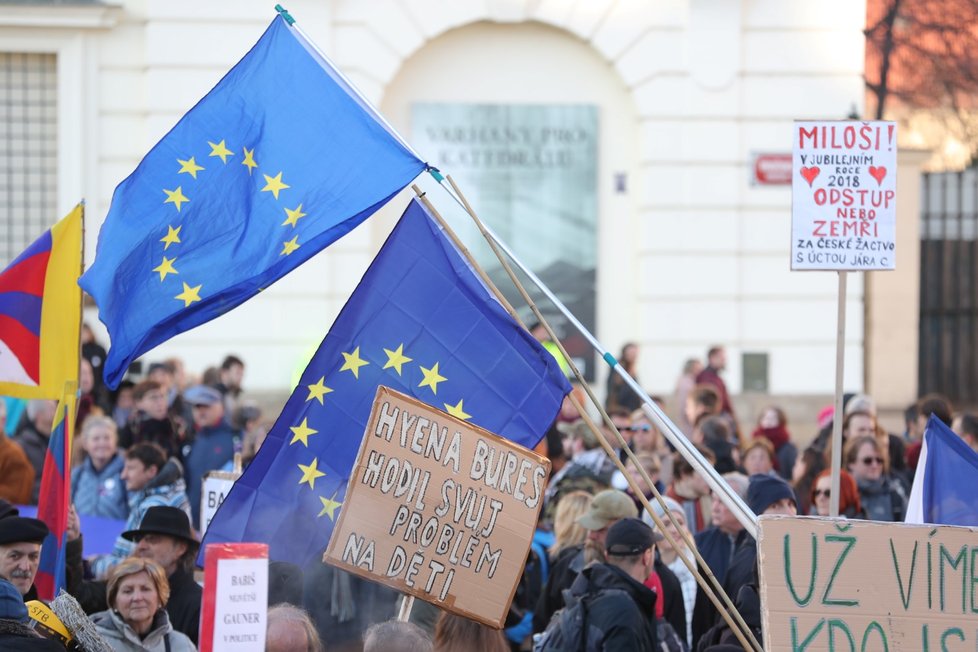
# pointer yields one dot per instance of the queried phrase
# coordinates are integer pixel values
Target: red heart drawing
(809, 174)
(878, 173)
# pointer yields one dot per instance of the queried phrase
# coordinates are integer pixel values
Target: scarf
(778, 436)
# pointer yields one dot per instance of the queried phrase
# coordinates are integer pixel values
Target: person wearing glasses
(850, 505)
(881, 495)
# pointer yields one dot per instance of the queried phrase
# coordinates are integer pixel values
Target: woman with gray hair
(136, 620)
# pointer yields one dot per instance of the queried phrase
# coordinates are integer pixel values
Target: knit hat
(670, 503)
(765, 490)
(12, 605)
(608, 506)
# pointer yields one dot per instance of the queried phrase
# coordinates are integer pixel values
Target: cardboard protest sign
(215, 486)
(439, 508)
(833, 584)
(843, 201)
(234, 609)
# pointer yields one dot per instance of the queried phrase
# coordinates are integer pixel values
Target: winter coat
(883, 499)
(16, 473)
(35, 446)
(18, 637)
(121, 637)
(184, 605)
(213, 447)
(625, 616)
(566, 567)
(166, 489)
(100, 493)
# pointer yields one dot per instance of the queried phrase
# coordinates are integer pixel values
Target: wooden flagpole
(837, 418)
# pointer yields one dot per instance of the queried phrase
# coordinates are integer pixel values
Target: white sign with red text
(843, 204)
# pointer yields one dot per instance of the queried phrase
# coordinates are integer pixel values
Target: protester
(618, 394)
(93, 352)
(151, 481)
(758, 456)
(690, 490)
(33, 438)
(20, 551)
(215, 442)
(16, 471)
(650, 464)
(567, 531)
(716, 434)
(164, 535)
(92, 398)
(136, 619)
(807, 467)
(231, 375)
(395, 636)
(343, 605)
(849, 503)
(684, 385)
(881, 495)
(15, 633)
(607, 508)
(97, 488)
(589, 468)
(124, 404)
(246, 418)
(931, 404)
(772, 425)
(716, 363)
(701, 402)
(169, 376)
(291, 630)
(459, 634)
(892, 444)
(675, 527)
(151, 422)
(966, 427)
(620, 608)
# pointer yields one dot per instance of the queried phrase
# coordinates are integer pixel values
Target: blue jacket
(213, 447)
(167, 489)
(100, 493)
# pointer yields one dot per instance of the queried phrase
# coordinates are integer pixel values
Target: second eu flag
(275, 163)
(422, 322)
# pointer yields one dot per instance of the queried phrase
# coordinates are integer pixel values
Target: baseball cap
(202, 395)
(630, 536)
(608, 506)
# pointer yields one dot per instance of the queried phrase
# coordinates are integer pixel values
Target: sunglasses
(642, 428)
(821, 492)
(870, 460)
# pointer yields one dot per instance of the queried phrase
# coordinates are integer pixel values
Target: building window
(28, 149)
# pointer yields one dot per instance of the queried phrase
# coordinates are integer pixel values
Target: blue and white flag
(945, 489)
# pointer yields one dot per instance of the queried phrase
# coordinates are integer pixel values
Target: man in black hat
(620, 608)
(20, 552)
(165, 537)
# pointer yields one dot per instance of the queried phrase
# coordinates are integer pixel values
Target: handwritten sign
(234, 610)
(439, 508)
(830, 584)
(843, 203)
(215, 486)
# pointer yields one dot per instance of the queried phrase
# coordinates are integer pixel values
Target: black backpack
(569, 629)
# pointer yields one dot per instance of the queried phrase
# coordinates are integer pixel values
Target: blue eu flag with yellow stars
(277, 161)
(421, 322)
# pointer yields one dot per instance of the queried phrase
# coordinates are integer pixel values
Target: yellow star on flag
(318, 391)
(310, 473)
(274, 184)
(301, 433)
(431, 378)
(166, 267)
(220, 150)
(396, 359)
(189, 295)
(249, 160)
(175, 197)
(189, 167)
(290, 246)
(457, 411)
(172, 236)
(293, 216)
(329, 507)
(353, 362)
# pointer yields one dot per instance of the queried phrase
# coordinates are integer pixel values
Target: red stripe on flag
(52, 507)
(27, 276)
(24, 344)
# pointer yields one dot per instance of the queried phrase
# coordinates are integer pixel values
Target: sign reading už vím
(843, 201)
(439, 508)
(831, 584)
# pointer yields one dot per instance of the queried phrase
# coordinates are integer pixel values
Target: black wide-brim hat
(170, 521)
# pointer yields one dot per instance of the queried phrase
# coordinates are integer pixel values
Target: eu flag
(277, 161)
(421, 322)
(943, 490)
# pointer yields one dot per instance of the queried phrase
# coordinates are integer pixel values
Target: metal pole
(840, 347)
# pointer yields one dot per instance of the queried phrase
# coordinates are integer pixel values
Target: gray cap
(202, 395)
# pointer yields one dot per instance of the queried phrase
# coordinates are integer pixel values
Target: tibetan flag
(40, 313)
(275, 163)
(421, 322)
(55, 498)
(945, 488)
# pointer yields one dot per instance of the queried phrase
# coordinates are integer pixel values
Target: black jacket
(184, 605)
(17, 637)
(626, 616)
(565, 569)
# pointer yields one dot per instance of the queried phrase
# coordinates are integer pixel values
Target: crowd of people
(599, 570)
